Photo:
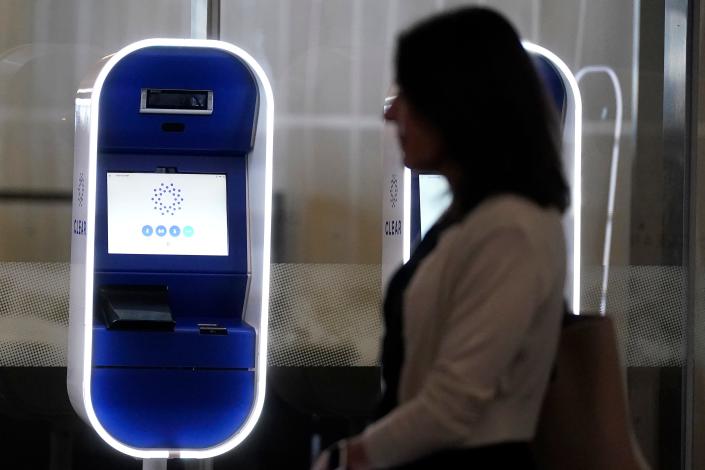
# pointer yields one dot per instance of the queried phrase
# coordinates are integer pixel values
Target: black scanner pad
(136, 308)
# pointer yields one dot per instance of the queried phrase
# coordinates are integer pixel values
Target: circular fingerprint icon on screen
(167, 199)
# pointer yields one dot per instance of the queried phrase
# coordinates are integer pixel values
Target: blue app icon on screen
(188, 231)
(147, 230)
(174, 231)
(161, 230)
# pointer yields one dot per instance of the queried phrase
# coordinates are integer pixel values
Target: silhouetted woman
(472, 320)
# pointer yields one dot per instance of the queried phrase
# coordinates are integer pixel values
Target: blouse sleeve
(496, 288)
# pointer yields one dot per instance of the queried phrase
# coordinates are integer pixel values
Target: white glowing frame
(80, 328)
(576, 186)
(614, 167)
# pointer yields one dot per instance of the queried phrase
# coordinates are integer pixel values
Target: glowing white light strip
(90, 242)
(406, 236)
(576, 195)
(614, 166)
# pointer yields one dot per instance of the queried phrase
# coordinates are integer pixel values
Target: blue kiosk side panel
(177, 389)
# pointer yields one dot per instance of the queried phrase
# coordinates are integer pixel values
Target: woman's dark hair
(467, 74)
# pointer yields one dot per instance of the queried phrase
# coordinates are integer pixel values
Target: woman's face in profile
(420, 142)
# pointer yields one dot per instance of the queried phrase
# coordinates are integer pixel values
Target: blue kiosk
(170, 248)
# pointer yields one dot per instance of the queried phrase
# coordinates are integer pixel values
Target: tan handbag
(584, 422)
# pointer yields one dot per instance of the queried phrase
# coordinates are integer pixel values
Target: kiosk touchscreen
(149, 215)
(170, 248)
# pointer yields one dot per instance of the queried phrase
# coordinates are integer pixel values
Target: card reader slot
(136, 308)
(212, 329)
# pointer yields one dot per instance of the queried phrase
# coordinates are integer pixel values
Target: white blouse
(481, 323)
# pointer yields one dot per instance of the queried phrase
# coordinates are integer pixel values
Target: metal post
(205, 464)
(692, 458)
(205, 19)
(199, 14)
(154, 464)
(678, 218)
(213, 20)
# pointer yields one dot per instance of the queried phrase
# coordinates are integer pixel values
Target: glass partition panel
(45, 50)
(330, 66)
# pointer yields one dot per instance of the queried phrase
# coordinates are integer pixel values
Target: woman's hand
(343, 455)
(357, 458)
(322, 462)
